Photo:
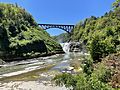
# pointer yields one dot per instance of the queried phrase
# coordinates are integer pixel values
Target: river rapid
(36, 73)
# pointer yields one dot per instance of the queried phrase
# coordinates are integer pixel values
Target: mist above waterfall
(62, 38)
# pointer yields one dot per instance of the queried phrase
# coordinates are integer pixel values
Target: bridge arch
(67, 28)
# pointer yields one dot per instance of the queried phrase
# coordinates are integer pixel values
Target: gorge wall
(20, 36)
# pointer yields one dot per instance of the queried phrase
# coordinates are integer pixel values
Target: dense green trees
(96, 80)
(116, 4)
(21, 36)
(101, 35)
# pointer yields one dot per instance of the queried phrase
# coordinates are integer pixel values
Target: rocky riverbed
(37, 73)
(28, 85)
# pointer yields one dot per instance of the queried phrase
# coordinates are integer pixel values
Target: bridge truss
(67, 28)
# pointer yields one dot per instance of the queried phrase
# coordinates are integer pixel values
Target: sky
(63, 11)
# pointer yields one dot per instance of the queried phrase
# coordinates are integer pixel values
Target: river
(36, 73)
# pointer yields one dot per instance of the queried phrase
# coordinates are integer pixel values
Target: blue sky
(63, 11)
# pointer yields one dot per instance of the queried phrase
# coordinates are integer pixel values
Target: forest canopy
(21, 36)
(101, 35)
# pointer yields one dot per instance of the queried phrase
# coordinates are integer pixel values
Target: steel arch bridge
(67, 28)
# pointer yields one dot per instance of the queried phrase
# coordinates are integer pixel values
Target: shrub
(100, 48)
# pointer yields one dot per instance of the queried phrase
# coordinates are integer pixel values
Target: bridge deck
(67, 28)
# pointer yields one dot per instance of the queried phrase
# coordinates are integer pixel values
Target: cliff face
(20, 36)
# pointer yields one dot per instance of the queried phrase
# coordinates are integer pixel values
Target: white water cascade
(73, 47)
(66, 47)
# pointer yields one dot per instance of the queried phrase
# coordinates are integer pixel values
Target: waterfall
(73, 47)
(66, 47)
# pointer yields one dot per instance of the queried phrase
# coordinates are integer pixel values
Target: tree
(116, 4)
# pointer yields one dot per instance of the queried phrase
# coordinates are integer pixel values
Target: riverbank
(29, 85)
(38, 74)
(10, 59)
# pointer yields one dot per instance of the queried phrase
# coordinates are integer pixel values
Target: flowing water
(66, 47)
(33, 74)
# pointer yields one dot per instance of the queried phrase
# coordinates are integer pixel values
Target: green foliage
(116, 4)
(102, 73)
(81, 82)
(101, 48)
(20, 35)
(88, 65)
(96, 80)
(101, 35)
(66, 79)
(100, 76)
